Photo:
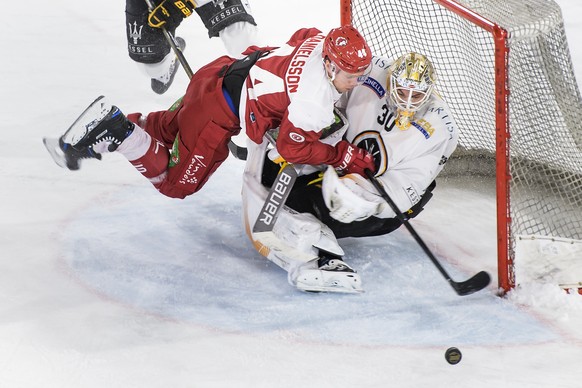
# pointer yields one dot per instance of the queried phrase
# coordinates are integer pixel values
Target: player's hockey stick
(275, 200)
(173, 44)
(474, 284)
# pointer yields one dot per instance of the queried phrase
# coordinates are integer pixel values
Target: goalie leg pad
(218, 15)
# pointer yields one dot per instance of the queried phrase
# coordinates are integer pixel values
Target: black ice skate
(101, 124)
(162, 84)
(113, 128)
(66, 156)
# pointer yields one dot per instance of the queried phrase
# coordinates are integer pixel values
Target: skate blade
(312, 289)
(52, 146)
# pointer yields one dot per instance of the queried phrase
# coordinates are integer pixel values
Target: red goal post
(478, 47)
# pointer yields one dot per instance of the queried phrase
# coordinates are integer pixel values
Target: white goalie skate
(326, 275)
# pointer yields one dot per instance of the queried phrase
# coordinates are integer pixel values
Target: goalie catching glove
(170, 13)
(350, 197)
(353, 198)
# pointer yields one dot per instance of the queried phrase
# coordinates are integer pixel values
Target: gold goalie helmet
(411, 81)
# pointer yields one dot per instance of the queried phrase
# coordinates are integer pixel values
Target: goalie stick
(173, 44)
(469, 286)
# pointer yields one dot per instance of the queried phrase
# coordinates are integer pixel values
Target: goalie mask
(410, 82)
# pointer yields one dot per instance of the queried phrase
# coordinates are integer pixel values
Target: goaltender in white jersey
(397, 116)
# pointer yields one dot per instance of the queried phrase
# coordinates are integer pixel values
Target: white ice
(105, 283)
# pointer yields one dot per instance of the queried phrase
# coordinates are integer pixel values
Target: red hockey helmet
(348, 49)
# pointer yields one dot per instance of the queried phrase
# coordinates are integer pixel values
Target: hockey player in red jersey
(293, 88)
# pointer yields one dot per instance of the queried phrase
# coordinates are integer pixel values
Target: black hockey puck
(453, 356)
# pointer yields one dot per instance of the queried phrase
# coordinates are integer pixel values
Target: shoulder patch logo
(424, 127)
(375, 86)
(174, 153)
(176, 104)
(296, 137)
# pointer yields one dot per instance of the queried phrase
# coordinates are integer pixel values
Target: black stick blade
(474, 284)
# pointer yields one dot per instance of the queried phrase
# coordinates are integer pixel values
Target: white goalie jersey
(407, 161)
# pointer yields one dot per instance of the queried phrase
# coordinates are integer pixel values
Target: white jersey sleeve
(311, 98)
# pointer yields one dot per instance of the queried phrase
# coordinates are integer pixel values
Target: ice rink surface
(106, 283)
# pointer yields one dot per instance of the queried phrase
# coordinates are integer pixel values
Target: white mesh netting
(545, 108)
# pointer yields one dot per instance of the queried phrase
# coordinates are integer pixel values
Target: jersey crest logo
(341, 41)
(372, 142)
(296, 137)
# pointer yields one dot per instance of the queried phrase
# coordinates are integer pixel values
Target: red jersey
(289, 89)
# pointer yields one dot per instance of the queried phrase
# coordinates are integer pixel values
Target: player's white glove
(349, 198)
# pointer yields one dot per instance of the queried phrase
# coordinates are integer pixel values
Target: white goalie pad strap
(349, 198)
(298, 230)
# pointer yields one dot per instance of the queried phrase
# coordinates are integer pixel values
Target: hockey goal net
(505, 69)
